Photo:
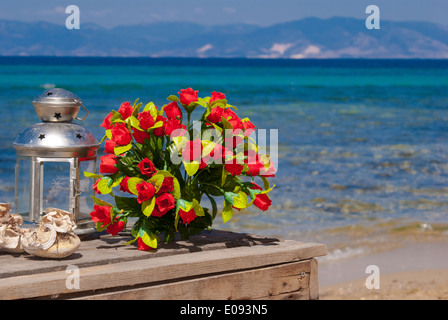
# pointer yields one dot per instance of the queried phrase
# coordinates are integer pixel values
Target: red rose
(270, 171)
(109, 146)
(145, 191)
(120, 134)
(164, 203)
(161, 130)
(95, 186)
(167, 185)
(147, 167)
(108, 164)
(173, 111)
(261, 201)
(249, 127)
(139, 135)
(124, 185)
(115, 227)
(101, 214)
(215, 115)
(217, 96)
(146, 120)
(188, 96)
(234, 168)
(143, 246)
(106, 123)
(187, 217)
(253, 163)
(192, 150)
(203, 163)
(172, 125)
(220, 153)
(233, 119)
(125, 110)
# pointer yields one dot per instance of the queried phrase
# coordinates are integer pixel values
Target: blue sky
(109, 13)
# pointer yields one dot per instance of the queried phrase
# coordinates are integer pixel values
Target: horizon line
(229, 24)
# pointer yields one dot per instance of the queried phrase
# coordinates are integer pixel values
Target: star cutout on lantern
(57, 115)
(42, 136)
(78, 135)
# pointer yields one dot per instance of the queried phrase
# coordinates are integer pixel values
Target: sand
(411, 262)
(412, 285)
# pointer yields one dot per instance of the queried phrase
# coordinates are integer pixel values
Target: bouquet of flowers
(164, 164)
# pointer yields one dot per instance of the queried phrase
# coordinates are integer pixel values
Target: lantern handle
(81, 119)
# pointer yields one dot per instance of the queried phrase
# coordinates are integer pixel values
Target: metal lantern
(51, 158)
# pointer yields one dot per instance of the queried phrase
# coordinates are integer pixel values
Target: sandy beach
(412, 264)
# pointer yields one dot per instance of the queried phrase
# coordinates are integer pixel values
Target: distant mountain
(307, 38)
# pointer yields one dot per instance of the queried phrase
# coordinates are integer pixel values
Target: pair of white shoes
(54, 238)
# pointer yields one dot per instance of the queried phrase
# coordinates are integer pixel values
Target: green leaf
(230, 196)
(131, 241)
(265, 183)
(176, 218)
(132, 184)
(92, 175)
(133, 122)
(177, 191)
(148, 237)
(207, 147)
(223, 175)
(101, 202)
(202, 102)
(173, 98)
(136, 108)
(191, 167)
(226, 124)
(221, 102)
(184, 205)
(157, 181)
(240, 201)
(148, 206)
(214, 206)
(104, 138)
(105, 185)
(199, 211)
(116, 117)
(151, 107)
(135, 228)
(217, 128)
(99, 227)
(128, 204)
(158, 124)
(227, 212)
(122, 149)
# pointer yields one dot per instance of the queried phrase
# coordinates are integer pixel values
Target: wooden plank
(164, 268)
(274, 282)
(314, 281)
(106, 249)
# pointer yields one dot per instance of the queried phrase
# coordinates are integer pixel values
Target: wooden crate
(214, 265)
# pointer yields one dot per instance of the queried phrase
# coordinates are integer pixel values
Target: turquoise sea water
(359, 140)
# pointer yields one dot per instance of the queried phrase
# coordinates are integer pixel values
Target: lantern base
(83, 228)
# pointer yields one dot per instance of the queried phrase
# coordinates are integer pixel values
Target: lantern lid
(58, 105)
(56, 140)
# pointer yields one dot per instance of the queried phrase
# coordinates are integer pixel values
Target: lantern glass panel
(56, 185)
(85, 190)
(22, 185)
